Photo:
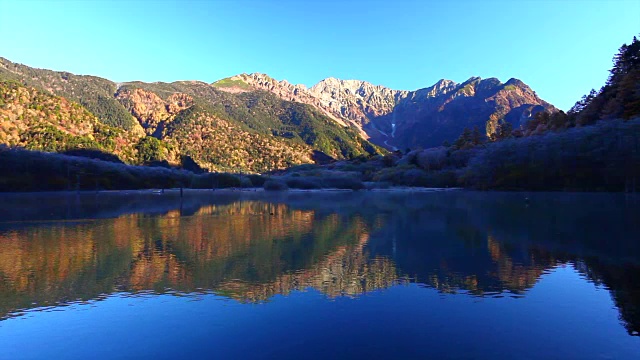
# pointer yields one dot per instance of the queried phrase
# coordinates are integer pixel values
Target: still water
(319, 275)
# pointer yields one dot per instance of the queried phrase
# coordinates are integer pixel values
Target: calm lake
(244, 275)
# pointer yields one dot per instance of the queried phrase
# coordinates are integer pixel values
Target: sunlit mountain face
(250, 247)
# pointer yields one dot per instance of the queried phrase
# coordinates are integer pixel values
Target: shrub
(389, 160)
(303, 183)
(377, 185)
(601, 157)
(441, 179)
(343, 183)
(358, 168)
(215, 181)
(257, 180)
(275, 185)
(189, 164)
(150, 149)
(22, 170)
(94, 154)
(432, 159)
(245, 182)
(413, 177)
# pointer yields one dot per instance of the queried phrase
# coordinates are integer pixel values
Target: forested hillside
(92, 92)
(256, 111)
(36, 120)
(162, 124)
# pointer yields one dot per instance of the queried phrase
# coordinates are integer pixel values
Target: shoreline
(173, 191)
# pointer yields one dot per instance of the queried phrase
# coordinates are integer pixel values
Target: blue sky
(561, 48)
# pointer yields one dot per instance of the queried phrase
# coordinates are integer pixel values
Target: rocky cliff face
(152, 112)
(422, 118)
(283, 89)
(356, 100)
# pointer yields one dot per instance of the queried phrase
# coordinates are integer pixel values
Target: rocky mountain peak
(443, 83)
(400, 118)
(351, 87)
(441, 87)
(356, 100)
(265, 82)
(516, 82)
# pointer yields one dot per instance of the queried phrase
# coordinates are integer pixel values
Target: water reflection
(250, 247)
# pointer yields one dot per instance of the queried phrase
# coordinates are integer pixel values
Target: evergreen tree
(504, 130)
(476, 136)
(620, 97)
(150, 150)
(465, 139)
(626, 60)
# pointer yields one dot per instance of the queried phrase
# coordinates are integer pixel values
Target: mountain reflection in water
(61, 249)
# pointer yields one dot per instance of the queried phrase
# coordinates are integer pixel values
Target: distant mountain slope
(94, 93)
(429, 119)
(252, 131)
(398, 118)
(36, 120)
(280, 121)
(264, 113)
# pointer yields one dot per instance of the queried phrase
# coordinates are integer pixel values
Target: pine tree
(627, 59)
(464, 140)
(620, 97)
(504, 130)
(476, 137)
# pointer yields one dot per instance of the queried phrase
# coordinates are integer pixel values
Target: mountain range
(248, 122)
(407, 119)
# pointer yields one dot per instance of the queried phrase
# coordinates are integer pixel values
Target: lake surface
(319, 275)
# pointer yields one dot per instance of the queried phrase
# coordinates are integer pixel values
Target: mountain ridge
(254, 132)
(372, 108)
(342, 118)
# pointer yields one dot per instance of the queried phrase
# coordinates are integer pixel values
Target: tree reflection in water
(250, 247)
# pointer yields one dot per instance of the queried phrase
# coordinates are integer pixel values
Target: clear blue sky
(561, 48)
